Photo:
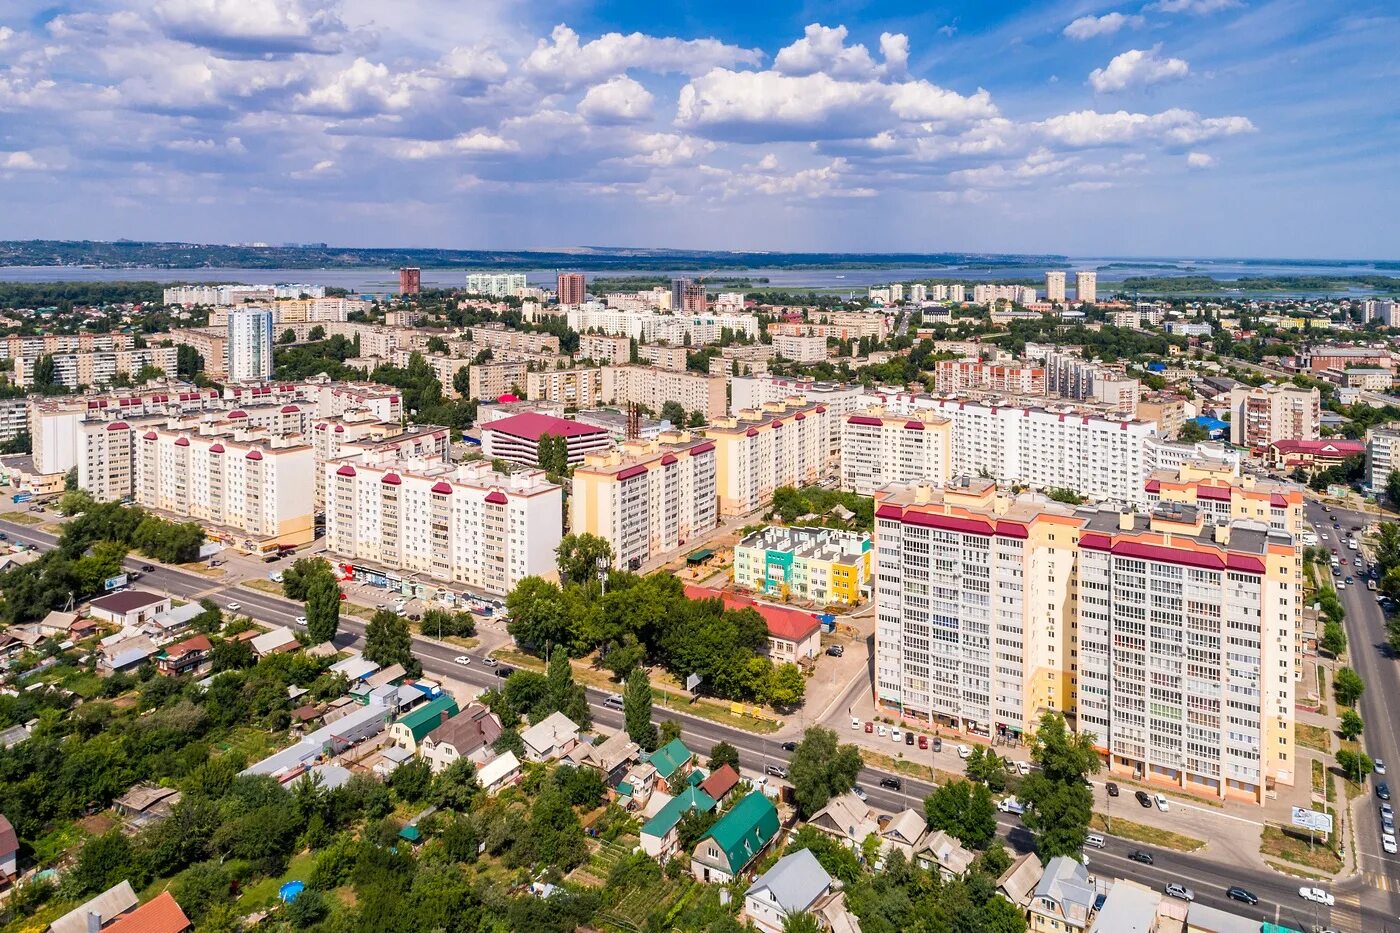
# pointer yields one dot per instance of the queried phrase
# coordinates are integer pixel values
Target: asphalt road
(1369, 655)
(1278, 894)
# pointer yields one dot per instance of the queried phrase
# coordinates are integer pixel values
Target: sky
(1266, 128)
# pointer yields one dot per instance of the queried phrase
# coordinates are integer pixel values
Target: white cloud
(922, 102)
(1089, 128)
(564, 61)
(6, 34)
(325, 165)
(252, 26)
(1199, 160)
(824, 49)
(1137, 68)
(894, 46)
(621, 100)
(668, 149)
(478, 63)
(360, 89)
(1198, 7)
(1087, 27)
(20, 161)
(767, 179)
(477, 142)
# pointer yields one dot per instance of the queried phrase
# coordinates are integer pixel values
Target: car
(1379, 765)
(1095, 841)
(1388, 843)
(937, 744)
(1180, 891)
(3, 536)
(870, 727)
(894, 733)
(1317, 896)
(908, 737)
(1237, 893)
(1355, 527)
(1137, 855)
(1336, 526)
(301, 620)
(233, 607)
(1023, 768)
(1343, 561)
(923, 741)
(893, 783)
(1387, 823)
(859, 792)
(789, 746)
(504, 671)
(1383, 790)
(1387, 811)
(1112, 789)
(147, 568)
(778, 771)
(615, 701)
(462, 659)
(343, 596)
(1144, 798)
(835, 650)
(1011, 805)
(490, 662)
(855, 723)
(880, 730)
(964, 752)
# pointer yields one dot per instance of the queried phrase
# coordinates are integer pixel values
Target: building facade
(759, 450)
(652, 387)
(496, 284)
(517, 439)
(1382, 454)
(1055, 287)
(1260, 415)
(249, 345)
(824, 565)
(571, 287)
(98, 367)
(879, 449)
(574, 388)
(1086, 287)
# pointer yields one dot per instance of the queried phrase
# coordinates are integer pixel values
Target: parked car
(880, 730)
(908, 737)
(964, 752)
(1380, 765)
(1388, 843)
(894, 733)
(923, 741)
(1137, 855)
(835, 650)
(1095, 841)
(1112, 789)
(1011, 805)
(870, 727)
(1237, 893)
(1383, 790)
(778, 771)
(1180, 891)
(937, 744)
(859, 792)
(1144, 799)
(855, 723)
(1317, 896)
(1162, 803)
(1023, 768)
(893, 783)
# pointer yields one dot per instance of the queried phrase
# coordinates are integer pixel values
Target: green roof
(410, 833)
(743, 832)
(699, 557)
(692, 798)
(668, 759)
(428, 717)
(694, 778)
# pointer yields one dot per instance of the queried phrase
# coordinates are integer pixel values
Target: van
(1094, 840)
(613, 700)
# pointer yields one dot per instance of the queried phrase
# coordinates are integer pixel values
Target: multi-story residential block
(98, 367)
(1382, 454)
(517, 439)
(238, 294)
(1158, 454)
(663, 355)
(849, 325)
(647, 498)
(1167, 411)
(249, 345)
(571, 288)
(1072, 377)
(878, 449)
(742, 360)
(984, 294)
(688, 297)
(14, 417)
(604, 349)
(211, 343)
(1321, 358)
(800, 349)
(1260, 415)
(1086, 287)
(965, 375)
(825, 565)
(576, 388)
(455, 523)
(645, 325)
(1220, 492)
(339, 437)
(496, 284)
(20, 346)
(492, 380)
(497, 337)
(1055, 287)
(410, 280)
(782, 444)
(839, 398)
(652, 387)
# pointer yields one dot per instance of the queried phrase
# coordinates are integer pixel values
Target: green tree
(287, 336)
(579, 557)
(673, 412)
(821, 768)
(697, 419)
(670, 731)
(412, 781)
(1067, 496)
(1058, 799)
(323, 609)
(318, 333)
(1334, 639)
(724, 754)
(437, 345)
(1355, 765)
(986, 767)
(801, 922)
(965, 811)
(188, 362)
(1347, 686)
(388, 641)
(787, 686)
(1191, 432)
(462, 382)
(636, 710)
(537, 615)
(565, 695)
(297, 577)
(1351, 725)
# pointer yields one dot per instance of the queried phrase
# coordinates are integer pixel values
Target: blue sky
(1166, 127)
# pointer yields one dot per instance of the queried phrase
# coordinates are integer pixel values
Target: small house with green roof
(412, 728)
(661, 833)
(672, 764)
(736, 840)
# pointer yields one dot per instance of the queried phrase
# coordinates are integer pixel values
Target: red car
(870, 727)
(923, 741)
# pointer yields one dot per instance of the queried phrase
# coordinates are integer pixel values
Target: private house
(1018, 881)
(636, 787)
(661, 834)
(191, 656)
(57, 624)
(468, 735)
(413, 727)
(161, 914)
(736, 840)
(721, 782)
(276, 640)
(903, 832)
(550, 738)
(106, 907)
(14, 735)
(612, 756)
(1200, 918)
(847, 819)
(793, 885)
(128, 608)
(498, 772)
(940, 850)
(1064, 898)
(171, 624)
(145, 804)
(672, 762)
(125, 655)
(9, 852)
(1130, 907)
(360, 723)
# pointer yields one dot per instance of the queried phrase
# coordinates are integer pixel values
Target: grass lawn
(24, 518)
(1140, 832)
(1290, 848)
(263, 894)
(253, 744)
(263, 585)
(1319, 777)
(355, 609)
(84, 684)
(51, 846)
(201, 568)
(1314, 737)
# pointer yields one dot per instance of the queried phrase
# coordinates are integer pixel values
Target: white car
(233, 607)
(1379, 765)
(1388, 843)
(1317, 896)
(880, 731)
(1023, 768)
(1162, 803)
(894, 734)
(462, 659)
(490, 662)
(855, 723)
(964, 752)
(859, 791)
(301, 620)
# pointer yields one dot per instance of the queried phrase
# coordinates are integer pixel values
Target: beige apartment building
(652, 387)
(1169, 411)
(97, 367)
(492, 380)
(604, 349)
(1264, 414)
(646, 498)
(575, 388)
(758, 450)
(879, 448)
(211, 343)
(497, 337)
(19, 346)
(800, 349)
(666, 357)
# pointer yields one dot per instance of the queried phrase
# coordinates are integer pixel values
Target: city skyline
(788, 127)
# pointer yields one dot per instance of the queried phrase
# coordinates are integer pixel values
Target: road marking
(1346, 915)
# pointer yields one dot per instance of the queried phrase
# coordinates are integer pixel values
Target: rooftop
(532, 426)
(127, 601)
(782, 622)
(827, 544)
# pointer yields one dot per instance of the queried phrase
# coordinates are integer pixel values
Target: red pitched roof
(532, 426)
(721, 782)
(159, 915)
(1334, 447)
(791, 624)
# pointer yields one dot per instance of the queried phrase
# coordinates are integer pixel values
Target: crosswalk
(1382, 882)
(1346, 915)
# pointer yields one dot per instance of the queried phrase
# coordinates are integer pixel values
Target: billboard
(1312, 819)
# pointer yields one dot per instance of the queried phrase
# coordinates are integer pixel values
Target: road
(1278, 894)
(1369, 655)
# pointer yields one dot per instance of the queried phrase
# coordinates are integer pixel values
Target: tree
(986, 767)
(821, 768)
(1355, 765)
(1192, 431)
(387, 641)
(188, 362)
(323, 609)
(787, 686)
(436, 344)
(673, 412)
(724, 754)
(670, 731)
(553, 454)
(412, 781)
(1067, 496)
(1351, 725)
(564, 695)
(697, 419)
(462, 381)
(801, 922)
(297, 577)
(318, 333)
(693, 825)
(965, 811)
(636, 710)
(287, 336)
(1347, 686)
(1059, 803)
(537, 615)
(1334, 638)
(579, 557)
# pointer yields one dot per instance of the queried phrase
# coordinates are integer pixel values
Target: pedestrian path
(1380, 881)
(1346, 915)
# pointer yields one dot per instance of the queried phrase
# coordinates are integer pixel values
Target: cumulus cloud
(1087, 27)
(252, 27)
(565, 61)
(477, 142)
(360, 89)
(668, 149)
(6, 34)
(1199, 160)
(478, 63)
(621, 100)
(20, 161)
(1137, 68)
(1089, 128)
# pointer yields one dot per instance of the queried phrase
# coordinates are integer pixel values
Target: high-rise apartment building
(918, 293)
(496, 284)
(646, 498)
(98, 367)
(1086, 286)
(800, 349)
(1261, 415)
(571, 287)
(1010, 378)
(602, 348)
(249, 345)
(783, 444)
(1055, 287)
(490, 381)
(879, 449)
(688, 297)
(1382, 454)
(410, 280)
(653, 387)
(576, 388)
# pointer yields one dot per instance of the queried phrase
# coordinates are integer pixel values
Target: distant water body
(384, 281)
